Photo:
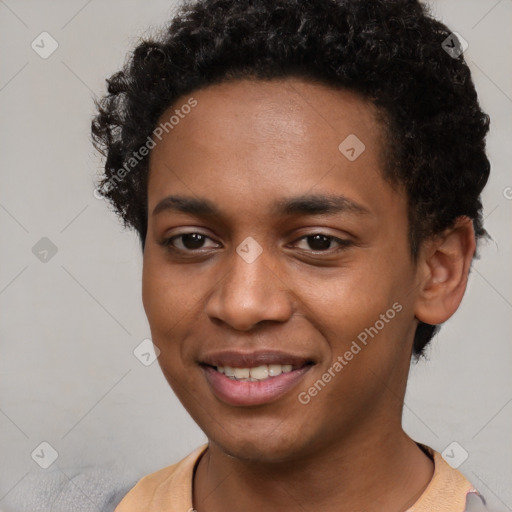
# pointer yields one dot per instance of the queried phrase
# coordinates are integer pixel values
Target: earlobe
(443, 269)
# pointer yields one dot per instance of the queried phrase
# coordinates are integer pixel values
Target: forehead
(293, 109)
(251, 140)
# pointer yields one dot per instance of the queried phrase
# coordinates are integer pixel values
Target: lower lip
(234, 392)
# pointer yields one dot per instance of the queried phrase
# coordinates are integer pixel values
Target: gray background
(68, 375)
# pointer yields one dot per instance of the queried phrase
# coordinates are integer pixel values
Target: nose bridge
(249, 291)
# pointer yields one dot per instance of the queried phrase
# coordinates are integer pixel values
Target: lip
(240, 393)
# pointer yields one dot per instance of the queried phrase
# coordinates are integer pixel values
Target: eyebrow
(316, 204)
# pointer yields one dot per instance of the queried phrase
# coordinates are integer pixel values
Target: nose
(250, 292)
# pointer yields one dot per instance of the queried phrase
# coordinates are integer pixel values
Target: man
(305, 179)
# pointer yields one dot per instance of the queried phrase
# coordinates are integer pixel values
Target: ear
(443, 269)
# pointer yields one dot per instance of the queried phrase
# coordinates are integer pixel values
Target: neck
(382, 470)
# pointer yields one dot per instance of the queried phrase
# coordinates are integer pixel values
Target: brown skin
(245, 145)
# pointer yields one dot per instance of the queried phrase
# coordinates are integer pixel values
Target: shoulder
(449, 490)
(165, 489)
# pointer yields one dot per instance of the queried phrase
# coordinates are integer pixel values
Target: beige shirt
(170, 488)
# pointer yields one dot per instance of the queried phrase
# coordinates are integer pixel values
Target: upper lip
(238, 359)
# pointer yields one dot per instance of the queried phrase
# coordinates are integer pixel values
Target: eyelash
(168, 243)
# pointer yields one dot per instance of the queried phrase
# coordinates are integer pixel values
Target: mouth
(253, 379)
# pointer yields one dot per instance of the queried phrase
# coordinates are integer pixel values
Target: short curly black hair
(392, 52)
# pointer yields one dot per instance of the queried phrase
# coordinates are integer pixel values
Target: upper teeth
(256, 373)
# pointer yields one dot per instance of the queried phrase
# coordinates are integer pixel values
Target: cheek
(166, 297)
(172, 299)
(343, 304)
(366, 321)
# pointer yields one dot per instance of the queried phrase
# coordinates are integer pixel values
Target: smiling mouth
(254, 385)
(257, 373)
(253, 378)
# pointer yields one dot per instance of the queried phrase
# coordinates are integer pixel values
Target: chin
(265, 445)
(258, 451)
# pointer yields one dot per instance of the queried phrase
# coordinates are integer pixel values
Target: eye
(193, 242)
(321, 242)
(190, 242)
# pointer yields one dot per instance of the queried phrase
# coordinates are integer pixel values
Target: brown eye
(188, 242)
(192, 240)
(320, 242)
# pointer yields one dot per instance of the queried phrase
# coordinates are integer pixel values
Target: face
(281, 257)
